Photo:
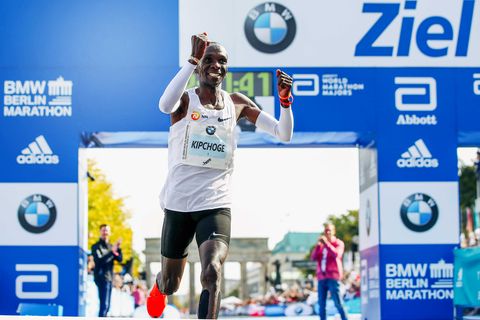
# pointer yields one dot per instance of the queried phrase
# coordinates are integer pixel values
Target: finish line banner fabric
(338, 33)
(345, 77)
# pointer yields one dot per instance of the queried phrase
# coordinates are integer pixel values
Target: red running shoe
(156, 302)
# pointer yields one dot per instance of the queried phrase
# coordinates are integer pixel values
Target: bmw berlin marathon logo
(419, 212)
(37, 213)
(270, 27)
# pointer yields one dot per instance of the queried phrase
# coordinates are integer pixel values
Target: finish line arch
(87, 74)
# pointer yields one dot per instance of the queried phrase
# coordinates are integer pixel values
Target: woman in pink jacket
(328, 254)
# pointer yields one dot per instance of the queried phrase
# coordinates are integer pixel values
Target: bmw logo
(368, 217)
(270, 27)
(211, 130)
(419, 212)
(37, 213)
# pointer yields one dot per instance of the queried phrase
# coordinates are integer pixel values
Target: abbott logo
(417, 156)
(416, 94)
(306, 85)
(38, 152)
(49, 270)
(476, 84)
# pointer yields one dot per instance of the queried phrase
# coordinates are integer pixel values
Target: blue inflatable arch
(400, 80)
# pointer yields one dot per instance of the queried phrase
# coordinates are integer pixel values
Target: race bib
(207, 146)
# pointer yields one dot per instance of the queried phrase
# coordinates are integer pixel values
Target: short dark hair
(103, 225)
(217, 45)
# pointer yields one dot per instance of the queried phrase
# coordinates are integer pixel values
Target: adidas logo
(417, 156)
(38, 152)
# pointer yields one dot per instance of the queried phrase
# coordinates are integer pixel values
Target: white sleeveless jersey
(200, 158)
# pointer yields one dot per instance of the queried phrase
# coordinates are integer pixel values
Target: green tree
(346, 226)
(103, 207)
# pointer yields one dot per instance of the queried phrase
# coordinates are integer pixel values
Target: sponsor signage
(417, 156)
(417, 100)
(370, 283)
(39, 214)
(416, 94)
(330, 85)
(49, 279)
(394, 33)
(454, 39)
(417, 281)
(270, 27)
(476, 84)
(44, 275)
(418, 212)
(408, 156)
(37, 98)
(467, 89)
(40, 154)
(329, 93)
(401, 82)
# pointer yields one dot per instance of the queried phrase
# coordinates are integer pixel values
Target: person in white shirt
(196, 196)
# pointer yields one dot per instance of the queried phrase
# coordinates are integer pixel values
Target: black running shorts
(180, 227)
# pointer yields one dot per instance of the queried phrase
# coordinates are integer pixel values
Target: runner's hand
(284, 84)
(200, 43)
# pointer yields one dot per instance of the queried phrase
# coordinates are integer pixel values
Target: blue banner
(417, 282)
(89, 34)
(370, 283)
(41, 153)
(40, 275)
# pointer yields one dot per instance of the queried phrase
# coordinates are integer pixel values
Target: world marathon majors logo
(37, 213)
(419, 212)
(270, 27)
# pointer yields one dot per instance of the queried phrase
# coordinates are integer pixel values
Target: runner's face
(213, 66)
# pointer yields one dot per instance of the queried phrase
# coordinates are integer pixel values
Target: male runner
(196, 195)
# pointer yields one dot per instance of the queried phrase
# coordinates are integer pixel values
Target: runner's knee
(169, 286)
(211, 274)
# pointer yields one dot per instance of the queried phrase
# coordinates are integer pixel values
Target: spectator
(328, 254)
(90, 264)
(139, 295)
(476, 162)
(104, 253)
